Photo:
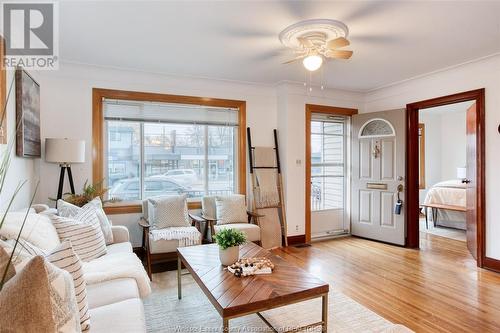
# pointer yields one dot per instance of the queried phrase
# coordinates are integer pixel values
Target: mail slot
(376, 186)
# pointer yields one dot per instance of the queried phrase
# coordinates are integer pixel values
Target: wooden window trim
(421, 179)
(98, 94)
(310, 109)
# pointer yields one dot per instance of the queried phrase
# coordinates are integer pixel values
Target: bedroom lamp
(461, 173)
(64, 152)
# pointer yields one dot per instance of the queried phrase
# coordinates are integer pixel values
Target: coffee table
(235, 297)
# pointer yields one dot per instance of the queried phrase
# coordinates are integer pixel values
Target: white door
(378, 169)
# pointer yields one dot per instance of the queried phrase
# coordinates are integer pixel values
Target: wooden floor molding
(436, 289)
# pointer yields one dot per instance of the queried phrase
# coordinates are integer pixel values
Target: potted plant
(229, 241)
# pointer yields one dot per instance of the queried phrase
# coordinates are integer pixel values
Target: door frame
(310, 109)
(412, 167)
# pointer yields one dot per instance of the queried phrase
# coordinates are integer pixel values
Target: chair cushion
(252, 231)
(122, 317)
(231, 209)
(112, 291)
(168, 211)
(66, 209)
(163, 245)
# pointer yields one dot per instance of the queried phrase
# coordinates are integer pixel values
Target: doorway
(474, 169)
(327, 171)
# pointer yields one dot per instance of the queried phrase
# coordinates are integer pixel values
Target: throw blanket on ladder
(266, 194)
(186, 236)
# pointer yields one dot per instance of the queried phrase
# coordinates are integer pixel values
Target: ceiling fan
(316, 40)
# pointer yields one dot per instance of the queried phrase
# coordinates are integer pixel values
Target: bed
(451, 193)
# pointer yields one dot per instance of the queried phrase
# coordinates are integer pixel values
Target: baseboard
(491, 264)
(295, 240)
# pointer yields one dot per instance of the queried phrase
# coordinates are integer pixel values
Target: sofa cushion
(38, 230)
(84, 232)
(231, 209)
(125, 247)
(66, 209)
(163, 245)
(113, 291)
(122, 317)
(252, 231)
(168, 211)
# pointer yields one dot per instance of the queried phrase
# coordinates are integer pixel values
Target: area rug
(451, 233)
(194, 313)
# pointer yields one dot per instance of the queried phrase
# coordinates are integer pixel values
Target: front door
(378, 176)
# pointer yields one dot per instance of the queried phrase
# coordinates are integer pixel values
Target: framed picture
(28, 142)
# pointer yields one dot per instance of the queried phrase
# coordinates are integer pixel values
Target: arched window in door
(376, 128)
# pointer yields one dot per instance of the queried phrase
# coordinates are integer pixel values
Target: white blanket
(186, 236)
(116, 266)
(450, 192)
(266, 194)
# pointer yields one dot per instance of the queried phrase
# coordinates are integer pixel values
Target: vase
(229, 256)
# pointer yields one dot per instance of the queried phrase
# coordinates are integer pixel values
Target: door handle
(466, 181)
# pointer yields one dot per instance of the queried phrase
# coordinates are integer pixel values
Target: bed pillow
(84, 232)
(39, 298)
(231, 209)
(168, 211)
(66, 209)
(65, 258)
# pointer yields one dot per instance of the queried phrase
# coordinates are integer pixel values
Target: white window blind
(169, 113)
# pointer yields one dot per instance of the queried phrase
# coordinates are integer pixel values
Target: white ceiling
(237, 40)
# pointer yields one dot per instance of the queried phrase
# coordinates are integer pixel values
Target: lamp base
(65, 167)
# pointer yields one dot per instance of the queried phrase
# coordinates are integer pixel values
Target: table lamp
(64, 152)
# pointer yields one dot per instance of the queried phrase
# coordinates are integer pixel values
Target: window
(328, 150)
(377, 128)
(152, 147)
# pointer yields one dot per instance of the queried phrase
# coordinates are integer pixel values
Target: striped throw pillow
(66, 209)
(84, 232)
(66, 259)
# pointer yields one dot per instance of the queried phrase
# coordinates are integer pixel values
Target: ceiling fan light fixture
(312, 62)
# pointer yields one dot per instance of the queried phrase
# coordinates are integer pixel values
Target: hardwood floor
(436, 289)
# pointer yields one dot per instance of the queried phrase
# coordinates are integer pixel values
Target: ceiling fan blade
(293, 60)
(339, 54)
(305, 42)
(337, 43)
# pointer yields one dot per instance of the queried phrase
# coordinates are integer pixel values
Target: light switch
(298, 162)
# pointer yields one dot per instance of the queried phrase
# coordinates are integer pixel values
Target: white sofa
(114, 299)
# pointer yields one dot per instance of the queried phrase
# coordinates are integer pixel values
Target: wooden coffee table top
(233, 297)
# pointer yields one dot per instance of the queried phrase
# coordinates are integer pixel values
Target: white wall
(20, 169)
(445, 144)
(66, 102)
(454, 143)
(484, 73)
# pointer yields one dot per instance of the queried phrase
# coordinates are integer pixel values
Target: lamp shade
(64, 150)
(461, 173)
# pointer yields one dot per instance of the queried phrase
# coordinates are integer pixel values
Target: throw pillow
(208, 207)
(39, 298)
(231, 209)
(84, 232)
(65, 258)
(4, 261)
(66, 209)
(168, 211)
(25, 251)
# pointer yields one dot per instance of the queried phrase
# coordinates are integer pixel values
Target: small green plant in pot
(229, 241)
